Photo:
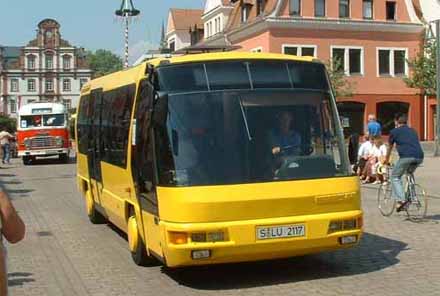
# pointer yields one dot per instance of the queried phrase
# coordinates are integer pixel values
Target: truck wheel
(64, 158)
(26, 160)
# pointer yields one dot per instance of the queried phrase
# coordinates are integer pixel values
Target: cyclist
(410, 155)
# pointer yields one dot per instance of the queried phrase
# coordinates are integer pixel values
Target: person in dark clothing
(410, 155)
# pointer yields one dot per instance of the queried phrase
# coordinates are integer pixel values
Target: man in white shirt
(4, 142)
(364, 154)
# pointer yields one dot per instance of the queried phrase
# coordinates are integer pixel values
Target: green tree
(340, 83)
(104, 62)
(423, 68)
(8, 123)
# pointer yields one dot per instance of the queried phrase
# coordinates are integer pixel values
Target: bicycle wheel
(418, 206)
(385, 200)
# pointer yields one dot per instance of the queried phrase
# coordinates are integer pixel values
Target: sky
(91, 24)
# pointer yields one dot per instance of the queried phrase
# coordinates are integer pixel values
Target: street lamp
(127, 11)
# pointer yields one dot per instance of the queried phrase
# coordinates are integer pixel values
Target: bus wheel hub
(133, 234)
(89, 203)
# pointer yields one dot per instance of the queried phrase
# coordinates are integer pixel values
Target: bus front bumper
(43, 152)
(240, 242)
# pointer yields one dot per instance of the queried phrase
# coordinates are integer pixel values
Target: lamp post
(126, 12)
(437, 138)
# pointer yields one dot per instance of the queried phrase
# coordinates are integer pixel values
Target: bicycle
(416, 202)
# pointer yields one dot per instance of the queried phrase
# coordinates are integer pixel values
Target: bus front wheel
(136, 245)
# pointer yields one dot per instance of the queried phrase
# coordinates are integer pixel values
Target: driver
(285, 140)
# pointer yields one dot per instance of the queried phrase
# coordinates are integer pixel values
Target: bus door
(95, 145)
(143, 168)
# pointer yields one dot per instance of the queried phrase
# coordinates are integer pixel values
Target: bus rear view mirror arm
(160, 112)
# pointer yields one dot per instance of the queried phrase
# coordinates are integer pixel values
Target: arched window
(352, 117)
(386, 112)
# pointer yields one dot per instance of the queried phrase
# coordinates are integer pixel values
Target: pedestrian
(13, 229)
(363, 154)
(5, 136)
(374, 128)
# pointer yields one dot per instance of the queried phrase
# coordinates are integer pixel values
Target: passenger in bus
(285, 140)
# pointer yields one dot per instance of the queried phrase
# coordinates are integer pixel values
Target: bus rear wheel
(95, 217)
(136, 245)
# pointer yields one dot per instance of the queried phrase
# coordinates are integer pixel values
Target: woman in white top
(377, 155)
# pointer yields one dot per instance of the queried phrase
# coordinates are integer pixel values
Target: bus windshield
(47, 120)
(247, 136)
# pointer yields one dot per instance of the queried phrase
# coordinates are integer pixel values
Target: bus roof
(134, 74)
(29, 109)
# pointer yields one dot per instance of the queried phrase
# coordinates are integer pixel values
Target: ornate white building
(48, 68)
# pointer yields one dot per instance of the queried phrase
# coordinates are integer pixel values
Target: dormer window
(391, 10)
(260, 6)
(245, 10)
(344, 8)
(367, 7)
(295, 7)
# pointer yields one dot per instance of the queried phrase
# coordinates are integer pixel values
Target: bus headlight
(214, 236)
(59, 141)
(341, 225)
(27, 142)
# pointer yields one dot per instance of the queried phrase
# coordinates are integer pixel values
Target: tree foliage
(104, 62)
(423, 68)
(338, 79)
(8, 123)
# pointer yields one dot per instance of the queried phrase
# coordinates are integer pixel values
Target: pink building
(373, 39)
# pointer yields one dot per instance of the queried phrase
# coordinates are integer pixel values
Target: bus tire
(95, 217)
(136, 245)
(64, 158)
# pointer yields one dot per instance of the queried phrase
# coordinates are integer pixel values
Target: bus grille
(43, 142)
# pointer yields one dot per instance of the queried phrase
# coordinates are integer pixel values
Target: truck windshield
(47, 120)
(248, 136)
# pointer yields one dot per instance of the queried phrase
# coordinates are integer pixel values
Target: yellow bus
(218, 158)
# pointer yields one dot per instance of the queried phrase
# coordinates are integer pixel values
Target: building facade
(372, 39)
(430, 11)
(48, 68)
(181, 23)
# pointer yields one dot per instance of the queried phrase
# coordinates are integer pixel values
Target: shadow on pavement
(50, 161)
(19, 278)
(373, 254)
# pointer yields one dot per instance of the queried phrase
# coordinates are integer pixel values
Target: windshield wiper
(245, 119)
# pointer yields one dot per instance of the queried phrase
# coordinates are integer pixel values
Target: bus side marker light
(200, 254)
(178, 238)
(350, 239)
(216, 236)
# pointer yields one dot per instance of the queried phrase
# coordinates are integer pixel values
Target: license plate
(270, 232)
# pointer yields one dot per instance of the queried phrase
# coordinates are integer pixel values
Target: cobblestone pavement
(63, 254)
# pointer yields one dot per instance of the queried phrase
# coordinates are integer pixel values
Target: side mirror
(160, 110)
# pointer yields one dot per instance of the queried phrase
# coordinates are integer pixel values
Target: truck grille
(43, 142)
